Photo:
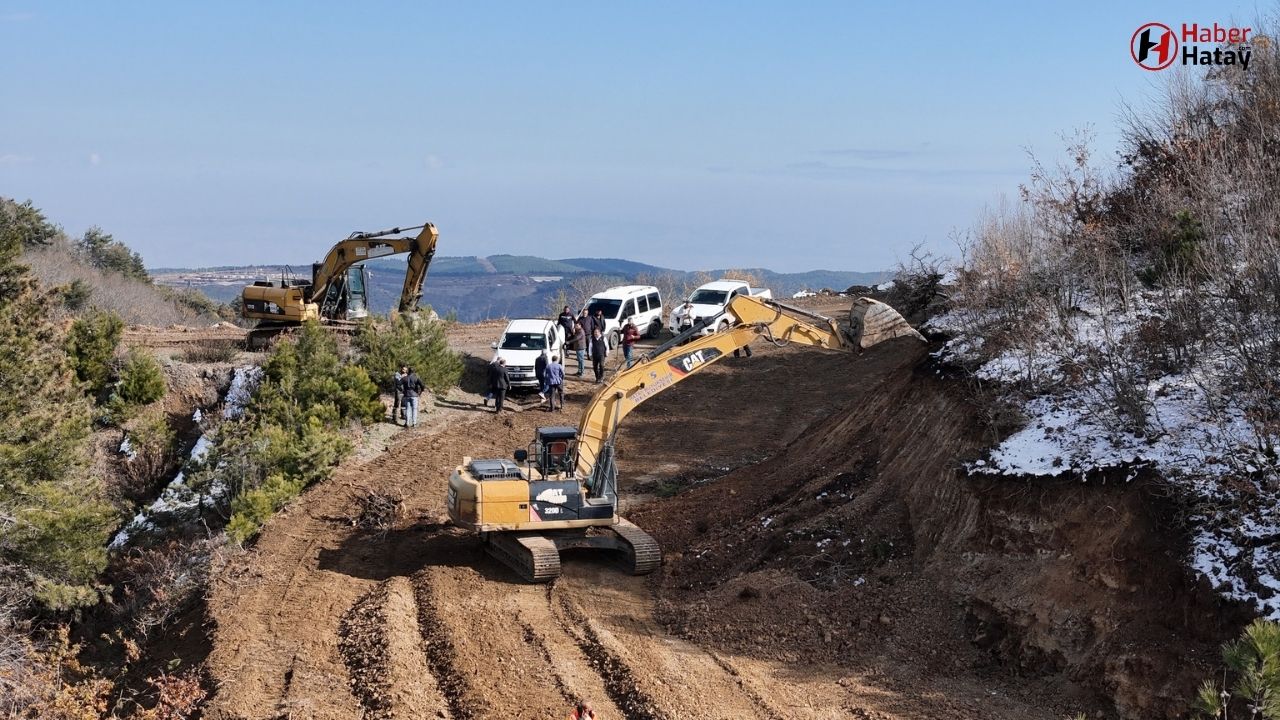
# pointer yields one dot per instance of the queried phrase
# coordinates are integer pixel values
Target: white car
(711, 300)
(642, 304)
(521, 344)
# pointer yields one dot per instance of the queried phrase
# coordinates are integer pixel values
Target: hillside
(96, 271)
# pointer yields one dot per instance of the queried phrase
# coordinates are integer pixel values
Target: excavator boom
(871, 322)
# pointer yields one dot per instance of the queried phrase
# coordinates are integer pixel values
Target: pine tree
(53, 518)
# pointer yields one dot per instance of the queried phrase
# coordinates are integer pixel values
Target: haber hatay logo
(1153, 46)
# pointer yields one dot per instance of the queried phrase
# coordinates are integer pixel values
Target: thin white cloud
(95, 159)
(10, 159)
(14, 17)
(433, 162)
(870, 153)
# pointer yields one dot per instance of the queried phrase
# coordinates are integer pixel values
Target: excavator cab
(346, 297)
(554, 451)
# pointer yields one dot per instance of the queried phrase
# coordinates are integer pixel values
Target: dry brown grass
(138, 303)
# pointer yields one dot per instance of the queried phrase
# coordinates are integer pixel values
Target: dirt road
(322, 620)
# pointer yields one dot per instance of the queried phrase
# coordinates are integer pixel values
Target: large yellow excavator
(337, 289)
(562, 492)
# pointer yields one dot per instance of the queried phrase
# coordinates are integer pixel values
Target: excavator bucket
(871, 322)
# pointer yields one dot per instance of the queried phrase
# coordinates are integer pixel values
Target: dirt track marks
(649, 673)
(442, 656)
(619, 680)
(385, 658)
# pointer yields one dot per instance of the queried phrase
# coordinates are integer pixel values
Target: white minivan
(640, 303)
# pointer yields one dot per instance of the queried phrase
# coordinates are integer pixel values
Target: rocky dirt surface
(824, 557)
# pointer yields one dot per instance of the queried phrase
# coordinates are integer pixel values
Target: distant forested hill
(478, 288)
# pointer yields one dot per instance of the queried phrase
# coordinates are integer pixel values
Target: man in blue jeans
(554, 378)
(410, 387)
(580, 345)
(630, 336)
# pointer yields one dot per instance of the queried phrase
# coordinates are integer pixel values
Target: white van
(640, 303)
(521, 344)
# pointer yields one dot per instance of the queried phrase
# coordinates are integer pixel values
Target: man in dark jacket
(499, 383)
(599, 351)
(410, 387)
(397, 400)
(579, 345)
(599, 322)
(540, 374)
(566, 321)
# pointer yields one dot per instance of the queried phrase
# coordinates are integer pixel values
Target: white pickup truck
(710, 300)
(521, 344)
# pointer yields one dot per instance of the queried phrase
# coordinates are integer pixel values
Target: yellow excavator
(337, 290)
(562, 491)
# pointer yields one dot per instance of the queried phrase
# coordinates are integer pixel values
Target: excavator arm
(367, 246)
(870, 322)
(528, 516)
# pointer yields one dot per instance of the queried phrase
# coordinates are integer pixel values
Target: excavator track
(642, 553)
(534, 557)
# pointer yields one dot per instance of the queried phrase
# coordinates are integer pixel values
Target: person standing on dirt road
(410, 387)
(683, 317)
(554, 377)
(582, 711)
(397, 398)
(598, 323)
(540, 374)
(630, 335)
(499, 383)
(579, 345)
(566, 321)
(599, 351)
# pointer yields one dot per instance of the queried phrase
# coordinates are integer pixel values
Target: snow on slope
(1196, 435)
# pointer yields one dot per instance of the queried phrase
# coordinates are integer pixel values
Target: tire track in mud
(537, 642)
(362, 635)
(442, 656)
(648, 672)
(381, 645)
(619, 679)
(576, 676)
(748, 687)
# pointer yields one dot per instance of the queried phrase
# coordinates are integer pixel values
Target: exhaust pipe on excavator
(872, 322)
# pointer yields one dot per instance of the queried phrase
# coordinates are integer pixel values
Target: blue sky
(793, 136)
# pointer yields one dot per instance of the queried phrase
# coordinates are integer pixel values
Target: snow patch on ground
(243, 383)
(1196, 434)
(178, 500)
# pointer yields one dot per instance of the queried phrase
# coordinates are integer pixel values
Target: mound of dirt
(863, 543)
